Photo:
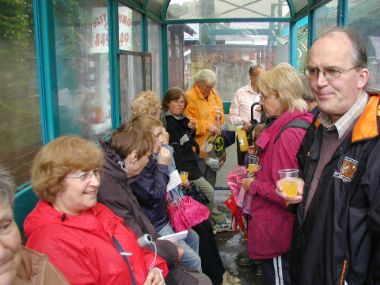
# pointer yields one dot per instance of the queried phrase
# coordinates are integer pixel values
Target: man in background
(240, 111)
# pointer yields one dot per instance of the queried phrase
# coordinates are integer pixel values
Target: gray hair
(252, 69)
(359, 51)
(7, 186)
(206, 77)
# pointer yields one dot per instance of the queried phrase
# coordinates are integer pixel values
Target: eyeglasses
(329, 73)
(205, 87)
(85, 176)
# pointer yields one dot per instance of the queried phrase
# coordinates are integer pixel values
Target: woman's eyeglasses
(85, 176)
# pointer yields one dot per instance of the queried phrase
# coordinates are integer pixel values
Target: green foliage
(16, 21)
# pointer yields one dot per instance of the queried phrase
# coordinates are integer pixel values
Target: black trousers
(212, 264)
(276, 270)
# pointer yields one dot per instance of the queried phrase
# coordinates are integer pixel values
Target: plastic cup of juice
(253, 164)
(289, 181)
(184, 176)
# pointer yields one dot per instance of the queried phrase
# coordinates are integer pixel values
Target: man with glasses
(337, 232)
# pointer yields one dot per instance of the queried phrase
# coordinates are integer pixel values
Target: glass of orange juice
(289, 181)
(253, 165)
(184, 176)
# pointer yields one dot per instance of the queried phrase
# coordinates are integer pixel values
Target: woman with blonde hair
(146, 102)
(270, 229)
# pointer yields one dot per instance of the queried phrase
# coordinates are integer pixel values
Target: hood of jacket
(272, 131)
(114, 164)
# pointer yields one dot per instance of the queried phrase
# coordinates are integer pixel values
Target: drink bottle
(242, 139)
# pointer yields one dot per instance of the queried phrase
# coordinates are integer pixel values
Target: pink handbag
(243, 199)
(234, 178)
(185, 212)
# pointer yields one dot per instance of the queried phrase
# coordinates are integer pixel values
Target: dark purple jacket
(115, 192)
(149, 188)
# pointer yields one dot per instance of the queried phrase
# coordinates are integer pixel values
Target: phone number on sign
(102, 39)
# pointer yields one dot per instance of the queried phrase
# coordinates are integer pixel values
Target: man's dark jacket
(338, 239)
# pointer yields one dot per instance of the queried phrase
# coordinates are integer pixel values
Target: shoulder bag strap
(123, 254)
(293, 124)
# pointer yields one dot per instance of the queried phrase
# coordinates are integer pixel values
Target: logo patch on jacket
(347, 170)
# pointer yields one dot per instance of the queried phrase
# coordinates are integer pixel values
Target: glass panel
(81, 31)
(206, 9)
(299, 5)
(302, 37)
(156, 6)
(363, 17)
(155, 48)
(228, 49)
(20, 118)
(325, 18)
(147, 75)
(131, 81)
(129, 29)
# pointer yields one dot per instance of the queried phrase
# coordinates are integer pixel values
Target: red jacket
(81, 246)
(270, 230)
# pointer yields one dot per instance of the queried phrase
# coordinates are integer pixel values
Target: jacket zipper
(344, 269)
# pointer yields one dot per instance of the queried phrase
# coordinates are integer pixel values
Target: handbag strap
(175, 194)
(123, 254)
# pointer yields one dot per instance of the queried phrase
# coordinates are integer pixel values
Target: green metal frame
(165, 58)
(226, 20)
(293, 44)
(46, 68)
(45, 48)
(342, 13)
(46, 61)
(25, 200)
(114, 56)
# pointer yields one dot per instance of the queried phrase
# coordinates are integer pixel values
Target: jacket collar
(200, 95)
(367, 125)
(179, 117)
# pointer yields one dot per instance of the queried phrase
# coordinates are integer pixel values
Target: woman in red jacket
(270, 229)
(82, 237)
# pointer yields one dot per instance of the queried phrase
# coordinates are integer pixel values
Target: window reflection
(229, 49)
(363, 17)
(20, 118)
(81, 43)
(325, 18)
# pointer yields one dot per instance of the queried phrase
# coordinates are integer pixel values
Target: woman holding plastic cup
(270, 229)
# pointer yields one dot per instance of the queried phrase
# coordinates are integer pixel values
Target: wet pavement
(231, 245)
